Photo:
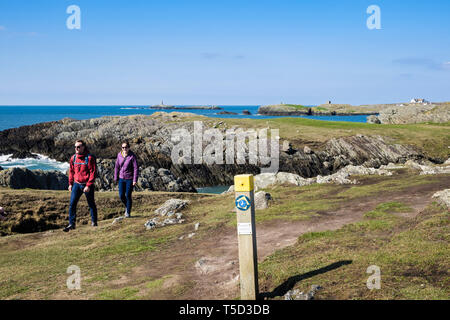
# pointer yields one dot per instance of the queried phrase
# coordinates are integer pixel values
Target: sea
(17, 116)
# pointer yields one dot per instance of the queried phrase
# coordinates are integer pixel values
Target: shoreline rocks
(322, 110)
(22, 178)
(373, 119)
(227, 112)
(150, 137)
(164, 107)
(150, 178)
(413, 113)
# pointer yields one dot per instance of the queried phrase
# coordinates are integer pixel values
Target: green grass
(297, 106)
(34, 265)
(411, 253)
(119, 294)
(389, 207)
(156, 284)
(316, 235)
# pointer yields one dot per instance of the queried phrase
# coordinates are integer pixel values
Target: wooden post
(245, 211)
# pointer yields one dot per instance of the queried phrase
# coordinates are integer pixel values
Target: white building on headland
(419, 101)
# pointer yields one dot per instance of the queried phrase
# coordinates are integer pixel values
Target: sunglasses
(125, 147)
(78, 147)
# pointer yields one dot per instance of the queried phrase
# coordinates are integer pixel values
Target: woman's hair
(126, 143)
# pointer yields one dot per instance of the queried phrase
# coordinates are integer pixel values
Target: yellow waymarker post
(245, 211)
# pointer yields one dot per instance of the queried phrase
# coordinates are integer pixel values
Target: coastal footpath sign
(245, 213)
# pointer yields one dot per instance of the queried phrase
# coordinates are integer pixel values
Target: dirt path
(212, 264)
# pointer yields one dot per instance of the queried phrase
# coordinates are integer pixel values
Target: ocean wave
(42, 162)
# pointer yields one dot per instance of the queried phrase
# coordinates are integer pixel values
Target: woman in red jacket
(82, 175)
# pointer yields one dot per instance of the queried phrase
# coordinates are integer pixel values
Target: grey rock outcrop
(373, 119)
(230, 190)
(415, 113)
(150, 178)
(21, 178)
(339, 177)
(167, 214)
(264, 180)
(158, 222)
(392, 166)
(24, 155)
(227, 112)
(371, 151)
(443, 198)
(262, 200)
(151, 140)
(361, 170)
(296, 294)
(427, 169)
(172, 205)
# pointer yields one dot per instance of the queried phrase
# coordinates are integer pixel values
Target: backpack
(86, 162)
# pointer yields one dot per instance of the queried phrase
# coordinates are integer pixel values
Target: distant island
(415, 111)
(165, 107)
(322, 110)
(168, 107)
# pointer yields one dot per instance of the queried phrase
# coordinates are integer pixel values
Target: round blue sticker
(243, 203)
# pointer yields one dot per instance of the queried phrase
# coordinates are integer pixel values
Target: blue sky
(223, 52)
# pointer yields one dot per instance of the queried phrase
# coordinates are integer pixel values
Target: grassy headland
(380, 222)
(432, 139)
(126, 261)
(341, 109)
(323, 109)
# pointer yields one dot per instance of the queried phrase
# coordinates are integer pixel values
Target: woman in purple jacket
(127, 171)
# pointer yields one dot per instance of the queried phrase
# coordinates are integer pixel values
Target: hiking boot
(94, 224)
(69, 227)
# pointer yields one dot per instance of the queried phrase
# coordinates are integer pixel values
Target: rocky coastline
(400, 113)
(150, 137)
(164, 107)
(413, 113)
(322, 110)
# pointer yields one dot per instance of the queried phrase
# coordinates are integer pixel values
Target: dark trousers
(77, 191)
(125, 190)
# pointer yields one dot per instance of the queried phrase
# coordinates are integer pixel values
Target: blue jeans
(77, 191)
(125, 190)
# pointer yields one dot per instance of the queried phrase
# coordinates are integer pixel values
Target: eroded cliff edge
(150, 137)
